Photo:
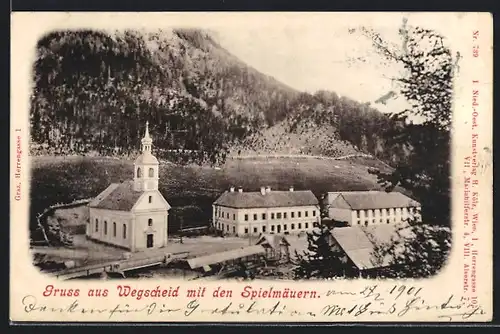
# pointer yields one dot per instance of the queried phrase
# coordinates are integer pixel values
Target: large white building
(371, 207)
(265, 211)
(132, 214)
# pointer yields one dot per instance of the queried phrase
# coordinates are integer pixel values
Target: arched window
(96, 225)
(124, 231)
(151, 172)
(150, 222)
(105, 227)
(139, 174)
(114, 229)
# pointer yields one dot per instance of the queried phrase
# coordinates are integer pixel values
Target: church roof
(273, 199)
(118, 196)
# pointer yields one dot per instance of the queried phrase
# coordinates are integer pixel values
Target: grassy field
(191, 190)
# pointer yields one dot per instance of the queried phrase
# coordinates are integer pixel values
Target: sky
(310, 59)
(323, 55)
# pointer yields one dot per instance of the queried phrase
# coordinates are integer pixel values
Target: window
(314, 213)
(272, 215)
(292, 214)
(307, 225)
(150, 222)
(300, 226)
(263, 216)
(227, 215)
(272, 228)
(263, 229)
(255, 230)
(105, 227)
(124, 231)
(246, 230)
(150, 199)
(96, 225)
(139, 173)
(293, 226)
(234, 216)
(284, 215)
(299, 214)
(246, 217)
(151, 172)
(234, 229)
(278, 215)
(284, 227)
(114, 229)
(254, 216)
(306, 213)
(227, 228)
(222, 227)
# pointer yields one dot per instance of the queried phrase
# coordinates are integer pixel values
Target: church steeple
(146, 141)
(146, 166)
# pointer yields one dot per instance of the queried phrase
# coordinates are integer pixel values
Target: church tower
(146, 166)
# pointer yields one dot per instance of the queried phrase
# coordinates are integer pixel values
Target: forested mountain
(94, 90)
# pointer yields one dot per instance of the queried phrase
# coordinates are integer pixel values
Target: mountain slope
(94, 90)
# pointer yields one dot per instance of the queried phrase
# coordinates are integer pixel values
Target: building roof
(118, 196)
(359, 248)
(272, 199)
(273, 240)
(232, 254)
(361, 200)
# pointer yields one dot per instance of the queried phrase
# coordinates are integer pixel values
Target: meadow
(191, 190)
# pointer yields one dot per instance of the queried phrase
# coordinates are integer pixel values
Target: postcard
(251, 167)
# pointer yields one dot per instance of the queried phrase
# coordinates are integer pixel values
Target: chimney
(291, 188)
(240, 190)
(268, 189)
(262, 190)
(231, 189)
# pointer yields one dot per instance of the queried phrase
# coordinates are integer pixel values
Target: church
(132, 214)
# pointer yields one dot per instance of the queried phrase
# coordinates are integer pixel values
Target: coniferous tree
(320, 260)
(416, 251)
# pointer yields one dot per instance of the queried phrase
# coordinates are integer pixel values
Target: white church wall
(158, 229)
(103, 217)
(151, 200)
